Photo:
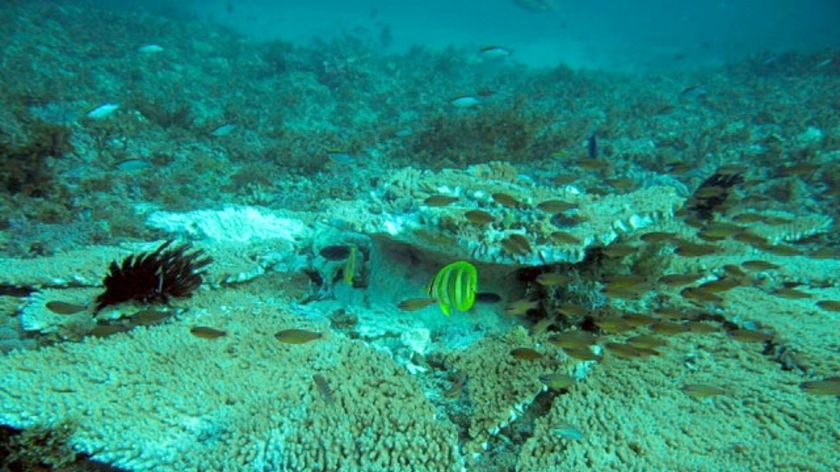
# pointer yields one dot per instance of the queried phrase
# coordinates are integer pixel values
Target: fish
(700, 295)
(829, 305)
(64, 308)
(341, 157)
(828, 386)
(791, 294)
(618, 250)
(669, 328)
(297, 336)
(223, 130)
(521, 307)
(720, 285)
(657, 236)
(702, 390)
(516, 244)
(507, 200)
(613, 324)
(694, 92)
(759, 265)
(552, 279)
(526, 354)
(582, 353)
(323, 387)
(207, 332)
(150, 49)
(103, 330)
(565, 179)
(572, 309)
(592, 146)
(103, 111)
(750, 335)
(464, 101)
(148, 317)
(637, 320)
(479, 217)
(701, 327)
(626, 351)
(494, 52)
(556, 206)
(565, 237)
(557, 381)
(439, 200)
(487, 297)
(338, 252)
(458, 380)
(414, 304)
(689, 249)
(569, 431)
(132, 165)
(573, 339)
(646, 340)
(349, 269)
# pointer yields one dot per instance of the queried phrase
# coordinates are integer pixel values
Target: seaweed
(25, 169)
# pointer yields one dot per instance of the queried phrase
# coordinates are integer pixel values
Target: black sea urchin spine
(154, 277)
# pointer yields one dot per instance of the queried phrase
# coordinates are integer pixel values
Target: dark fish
(323, 387)
(206, 332)
(297, 336)
(487, 297)
(592, 146)
(335, 253)
(64, 308)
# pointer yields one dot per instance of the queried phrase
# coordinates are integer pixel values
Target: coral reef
(374, 419)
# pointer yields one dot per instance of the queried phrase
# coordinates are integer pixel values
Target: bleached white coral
(232, 224)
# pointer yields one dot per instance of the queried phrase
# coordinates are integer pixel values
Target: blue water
(617, 34)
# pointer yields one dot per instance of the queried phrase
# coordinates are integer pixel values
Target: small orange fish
(439, 200)
(526, 354)
(507, 200)
(207, 332)
(479, 217)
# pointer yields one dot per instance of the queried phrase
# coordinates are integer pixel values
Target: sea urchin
(154, 277)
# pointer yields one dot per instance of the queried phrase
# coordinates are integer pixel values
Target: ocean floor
(223, 254)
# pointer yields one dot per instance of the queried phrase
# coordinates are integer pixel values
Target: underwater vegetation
(154, 277)
(24, 169)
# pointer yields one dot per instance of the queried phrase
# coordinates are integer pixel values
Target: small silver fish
(494, 52)
(103, 111)
(464, 101)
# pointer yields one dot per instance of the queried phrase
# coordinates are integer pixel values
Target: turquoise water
(227, 230)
